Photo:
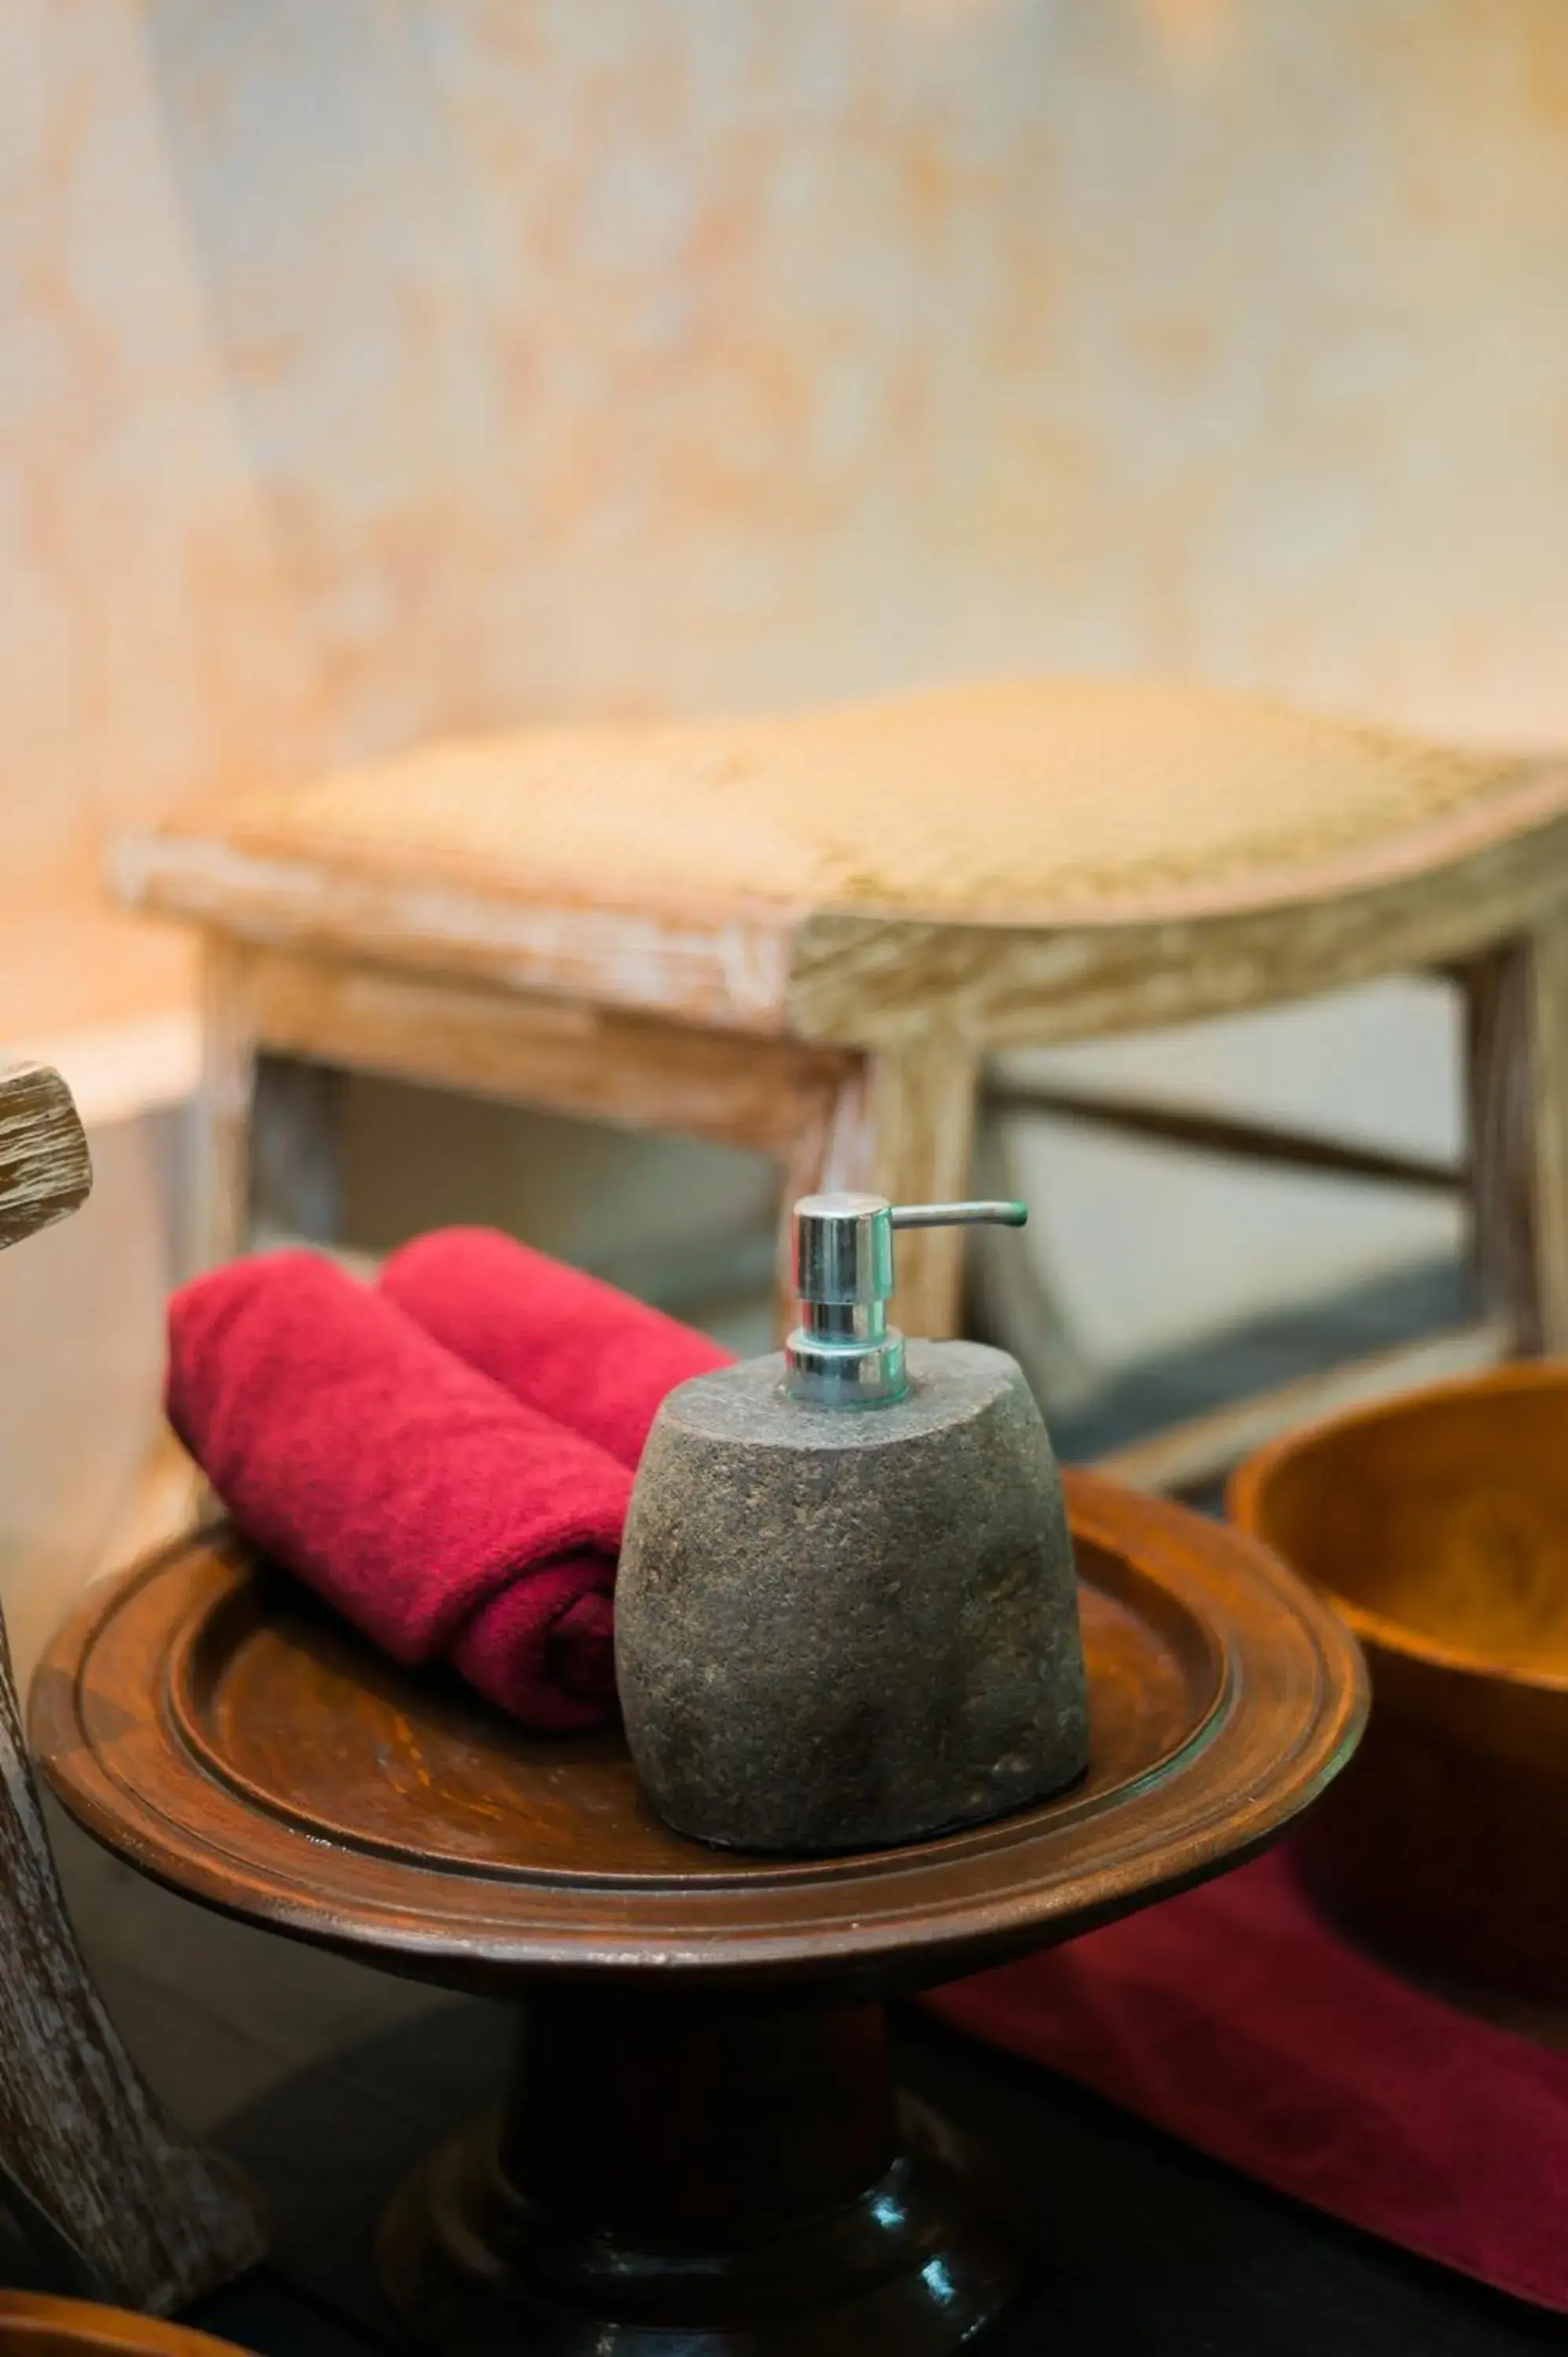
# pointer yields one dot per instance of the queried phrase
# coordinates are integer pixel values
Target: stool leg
(220, 1185)
(922, 1121)
(267, 1144)
(899, 1122)
(1012, 1301)
(1517, 1006)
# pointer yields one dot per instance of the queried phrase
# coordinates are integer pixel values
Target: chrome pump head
(843, 1353)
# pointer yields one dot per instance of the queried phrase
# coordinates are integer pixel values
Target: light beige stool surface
(1001, 803)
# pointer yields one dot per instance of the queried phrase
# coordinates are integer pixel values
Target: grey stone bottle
(846, 1615)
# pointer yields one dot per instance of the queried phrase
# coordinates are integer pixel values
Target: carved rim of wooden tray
(388, 1848)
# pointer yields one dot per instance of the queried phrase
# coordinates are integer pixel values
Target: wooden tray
(702, 2068)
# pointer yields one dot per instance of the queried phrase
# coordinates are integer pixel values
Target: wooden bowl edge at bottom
(36, 2324)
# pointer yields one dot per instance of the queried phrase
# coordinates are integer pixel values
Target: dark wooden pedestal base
(709, 2176)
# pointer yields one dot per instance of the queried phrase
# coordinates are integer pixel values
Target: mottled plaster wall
(385, 366)
(398, 364)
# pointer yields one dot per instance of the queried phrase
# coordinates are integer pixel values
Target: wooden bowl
(1438, 1524)
(33, 2324)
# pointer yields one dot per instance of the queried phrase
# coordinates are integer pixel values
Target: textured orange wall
(384, 366)
(374, 367)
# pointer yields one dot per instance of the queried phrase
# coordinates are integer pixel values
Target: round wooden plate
(206, 1717)
(702, 2149)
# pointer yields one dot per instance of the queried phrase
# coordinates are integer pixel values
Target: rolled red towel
(441, 1516)
(555, 1338)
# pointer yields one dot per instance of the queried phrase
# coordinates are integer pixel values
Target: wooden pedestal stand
(702, 2151)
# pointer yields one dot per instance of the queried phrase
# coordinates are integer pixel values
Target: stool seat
(1015, 802)
(807, 934)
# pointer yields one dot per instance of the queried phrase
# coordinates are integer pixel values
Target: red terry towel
(1236, 2018)
(441, 1516)
(554, 1338)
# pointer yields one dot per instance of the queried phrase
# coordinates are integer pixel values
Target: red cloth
(555, 1338)
(1236, 2018)
(441, 1516)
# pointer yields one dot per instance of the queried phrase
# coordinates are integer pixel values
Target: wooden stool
(805, 935)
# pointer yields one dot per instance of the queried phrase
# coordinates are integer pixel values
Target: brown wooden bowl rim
(1246, 1487)
(109, 2331)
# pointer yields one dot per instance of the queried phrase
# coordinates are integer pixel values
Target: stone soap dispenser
(846, 1615)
